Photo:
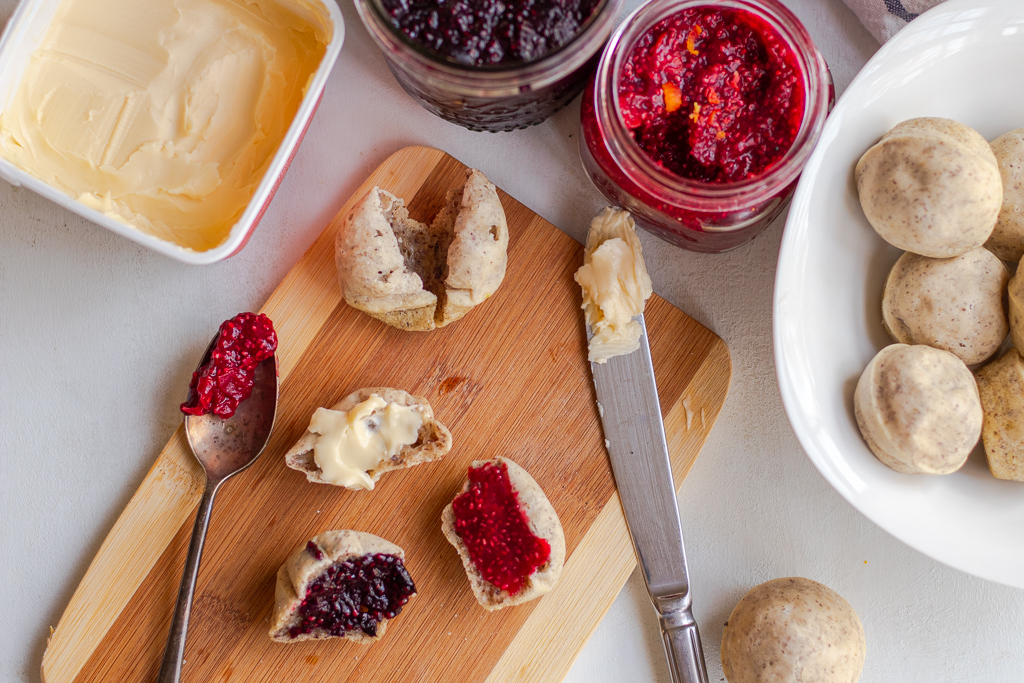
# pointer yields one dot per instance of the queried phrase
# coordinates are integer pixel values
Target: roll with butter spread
(368, 433)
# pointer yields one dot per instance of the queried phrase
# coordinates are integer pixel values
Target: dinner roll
(954, 304)
(1001, 386)
(1007, 240)
(918, 409)
(793, 630)
(931, 186)
(1016, 298)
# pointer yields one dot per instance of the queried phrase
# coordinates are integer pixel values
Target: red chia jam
(712, 95)
(358, 593)
(496, 531)
(227, 378)
(487, 32)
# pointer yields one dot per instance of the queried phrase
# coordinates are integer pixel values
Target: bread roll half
(303, 567)
(434, 439)
(543, 523)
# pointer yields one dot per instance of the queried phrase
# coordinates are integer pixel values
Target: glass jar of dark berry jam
(701, 116)
(491, 65)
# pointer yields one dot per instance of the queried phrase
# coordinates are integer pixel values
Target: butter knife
(627, 400)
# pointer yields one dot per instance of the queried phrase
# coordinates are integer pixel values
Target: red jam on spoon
(227, 378)
(496, 531)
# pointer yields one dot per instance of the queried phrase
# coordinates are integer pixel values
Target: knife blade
(627, 400)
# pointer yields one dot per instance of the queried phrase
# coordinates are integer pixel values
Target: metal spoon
(224, 447)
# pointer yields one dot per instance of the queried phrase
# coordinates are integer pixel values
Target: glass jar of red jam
(491, 73)
(701, 116)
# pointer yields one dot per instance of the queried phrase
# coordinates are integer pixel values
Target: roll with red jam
(507, 534)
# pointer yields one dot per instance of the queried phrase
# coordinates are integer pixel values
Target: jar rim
(694, 194)
(516, 77)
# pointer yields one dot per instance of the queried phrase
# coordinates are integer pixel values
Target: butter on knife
(615, 285)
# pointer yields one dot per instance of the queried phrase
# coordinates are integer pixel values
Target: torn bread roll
(368, 433)
(415, 276)
(507, 533)
(341, 584)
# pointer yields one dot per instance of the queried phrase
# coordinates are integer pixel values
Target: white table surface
(98, 338)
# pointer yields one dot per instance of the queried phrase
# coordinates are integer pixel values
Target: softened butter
(164, 114)
(615, 285)
(350, 444)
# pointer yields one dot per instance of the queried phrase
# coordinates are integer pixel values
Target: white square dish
(25, 32)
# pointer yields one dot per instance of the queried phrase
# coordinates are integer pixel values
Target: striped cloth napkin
(884, 17)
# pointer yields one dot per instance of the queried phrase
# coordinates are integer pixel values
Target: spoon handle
(170, 670)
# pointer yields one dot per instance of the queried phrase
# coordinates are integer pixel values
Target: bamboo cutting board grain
(510, 379)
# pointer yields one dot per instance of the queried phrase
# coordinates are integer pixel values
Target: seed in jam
(227, 378)
(496, 531)
(482, 32)
(356, 594)
(712, 95)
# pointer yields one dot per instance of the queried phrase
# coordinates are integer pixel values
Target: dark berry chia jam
(491, 65)
(495, 529)
(356, 594)
(227, 378)
(485, 32)
(713, 95)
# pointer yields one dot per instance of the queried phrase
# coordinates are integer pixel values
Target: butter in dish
(170, 122)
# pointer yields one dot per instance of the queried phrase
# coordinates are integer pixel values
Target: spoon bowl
(224, 447)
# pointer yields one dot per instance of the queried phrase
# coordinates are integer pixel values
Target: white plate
(962, 60)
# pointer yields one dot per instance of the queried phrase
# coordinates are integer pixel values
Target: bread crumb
(689, 412)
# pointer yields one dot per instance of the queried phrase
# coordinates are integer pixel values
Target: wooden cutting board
(509, 379)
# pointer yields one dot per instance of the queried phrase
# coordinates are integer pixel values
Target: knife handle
(682, 646)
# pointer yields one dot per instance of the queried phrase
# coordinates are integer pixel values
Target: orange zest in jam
(673, 97)
(695, 116)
